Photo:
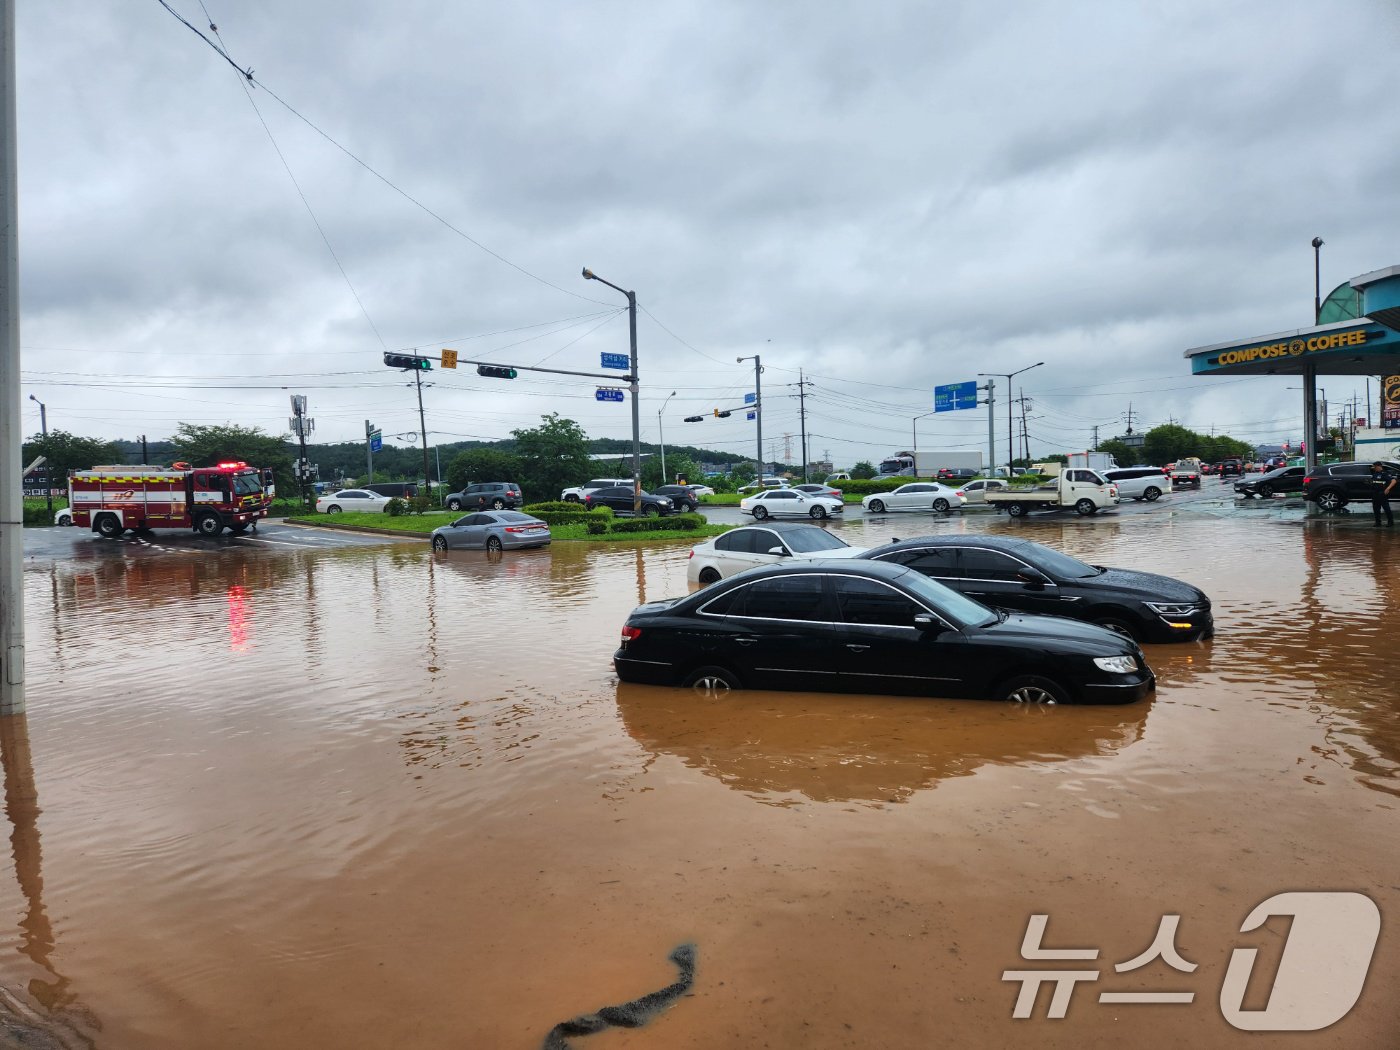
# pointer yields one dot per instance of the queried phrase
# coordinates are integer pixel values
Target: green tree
(63, 452)
(742, 474)
(553, 456)
(1123, 454)
(1168, 443)
(203, 446)
(863, 469)
(482, 464)
(651, 471)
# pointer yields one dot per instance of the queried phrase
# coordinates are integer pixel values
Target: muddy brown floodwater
(370, 798)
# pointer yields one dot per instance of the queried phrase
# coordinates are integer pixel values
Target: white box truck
(1092, 460)
(924, 464)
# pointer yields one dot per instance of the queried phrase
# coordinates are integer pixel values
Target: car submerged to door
(492, 530)
(1024, 576)
(872, 627)
(750, 546)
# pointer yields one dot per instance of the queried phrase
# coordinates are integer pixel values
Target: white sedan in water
(919, 495)
(351, 500)
(750, 546)
(789, 503)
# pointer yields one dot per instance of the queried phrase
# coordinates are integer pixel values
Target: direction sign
(376, 441)
(449, 358)
(615, 361)
(952, 396)
(750, 399)
(750, 415)
(608, 393)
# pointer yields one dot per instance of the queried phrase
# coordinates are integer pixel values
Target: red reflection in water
(238, 619)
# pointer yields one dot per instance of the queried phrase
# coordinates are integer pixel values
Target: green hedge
(560, 513)
(866, 487)
(675, 523)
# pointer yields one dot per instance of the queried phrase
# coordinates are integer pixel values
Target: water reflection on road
(371, 796)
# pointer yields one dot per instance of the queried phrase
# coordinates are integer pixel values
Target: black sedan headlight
(1173, 608)
(1116, 664)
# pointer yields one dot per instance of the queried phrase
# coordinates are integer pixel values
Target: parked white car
(64, 516)
(918, 495)
(1140, 483)
(754, 545)
(789, 503)
(702, 490)
(976, 491)
(576, 494)
(352, 500)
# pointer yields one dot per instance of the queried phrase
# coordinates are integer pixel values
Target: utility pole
(369, 452)
(991, 403)
(1025, 437)
(1096, 437)
(1130, 417)
(145, 455)
(11, 438)
(423, 428)
(301, 425)
(802, 385)
(633, 385)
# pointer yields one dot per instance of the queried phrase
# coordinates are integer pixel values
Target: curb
(367, 529)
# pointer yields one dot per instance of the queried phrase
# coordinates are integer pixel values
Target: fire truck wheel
(109, 526)
(209, 525)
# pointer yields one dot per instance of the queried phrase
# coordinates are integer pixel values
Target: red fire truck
(110, 500)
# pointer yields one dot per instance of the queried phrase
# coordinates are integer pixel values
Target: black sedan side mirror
(1032, 578)
(928, 623)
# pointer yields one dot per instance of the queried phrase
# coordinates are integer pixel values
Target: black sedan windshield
(809, 540)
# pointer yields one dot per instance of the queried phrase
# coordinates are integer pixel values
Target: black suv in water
(682, 496)
(620, 498)
(1334, 485)
(1024, 576)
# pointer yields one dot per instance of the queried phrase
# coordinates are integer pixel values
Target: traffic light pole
(11, 438)
(992, 431)
(369, 453)
(423, 428)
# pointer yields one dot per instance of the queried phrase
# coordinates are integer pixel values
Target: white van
(1140, 483)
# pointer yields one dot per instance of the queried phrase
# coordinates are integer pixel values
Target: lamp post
(662, 431)
(914, 423)
(1010, 438)
(1310, 369)
(44, 426)
(589, 275)
(757, 407)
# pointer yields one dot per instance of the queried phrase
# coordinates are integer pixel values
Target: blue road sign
(749, 399)
(376, 442)
(608, 393)
(952, 396)
(750, 415)
(615, 361)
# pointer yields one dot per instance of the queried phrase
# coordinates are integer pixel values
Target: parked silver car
(492, 530)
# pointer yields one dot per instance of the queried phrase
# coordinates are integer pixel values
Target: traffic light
(694, 419)
(495, 372)
(722, 415)
(408, 361)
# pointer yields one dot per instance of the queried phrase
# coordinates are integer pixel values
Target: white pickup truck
(1079, 487)
(576, 494)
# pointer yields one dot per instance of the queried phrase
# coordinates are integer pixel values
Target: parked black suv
(682, 497)
(1334, 485)
(619, 498)
(493, 495)
(1023, 576)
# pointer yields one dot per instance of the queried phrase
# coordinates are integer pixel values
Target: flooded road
(368, 797)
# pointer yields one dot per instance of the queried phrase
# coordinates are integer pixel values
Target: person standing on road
(1382, 485)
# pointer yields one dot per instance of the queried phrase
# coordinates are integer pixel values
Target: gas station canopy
(1368, 344)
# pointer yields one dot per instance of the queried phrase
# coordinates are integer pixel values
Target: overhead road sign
(750, 399)
(616, 361)
(952, 396)
(608, 393)
(449, 359)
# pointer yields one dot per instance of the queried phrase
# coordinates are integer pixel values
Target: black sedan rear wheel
(1266, 490)
(1032, 689)
(651, 510)
(712, 681)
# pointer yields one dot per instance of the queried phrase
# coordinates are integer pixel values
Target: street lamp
(589, 275)
(914, 423)
(662, 430)
(44, 426)
(1010, 439)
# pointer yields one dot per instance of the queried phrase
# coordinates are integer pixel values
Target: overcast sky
(889, 196)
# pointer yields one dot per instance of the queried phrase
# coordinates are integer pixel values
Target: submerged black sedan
(1024, 576)
(872, 627)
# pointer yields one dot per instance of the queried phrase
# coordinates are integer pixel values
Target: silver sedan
(492, 530)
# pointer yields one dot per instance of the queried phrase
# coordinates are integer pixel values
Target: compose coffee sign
(1390, 403)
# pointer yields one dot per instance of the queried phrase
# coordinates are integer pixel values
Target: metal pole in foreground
(992, 428)
(369, 453)
(1317, 243)
(11, 439)
(757, 408)
(661, 430)
(423, 429)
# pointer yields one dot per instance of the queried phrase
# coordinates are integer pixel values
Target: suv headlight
(1116, 664)
(1173, 608)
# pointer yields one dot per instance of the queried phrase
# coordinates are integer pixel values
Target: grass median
(423, 524)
